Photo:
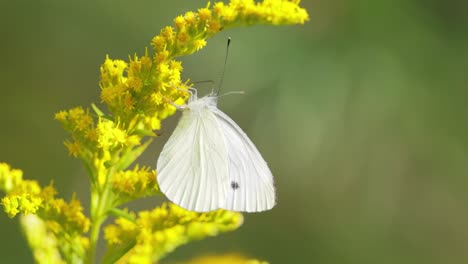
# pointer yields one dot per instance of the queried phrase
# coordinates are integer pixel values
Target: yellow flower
(112, 72)
(48, 222)
(122, 231)
(23, 197)
(190, 18)
(109, 135)
(133, 184)
(74, 148)
(75, 114)
(163, 229)
(9, 178)
(61, 116)
(11, 206)
(158, 42)
(179, 22)
(204, 14)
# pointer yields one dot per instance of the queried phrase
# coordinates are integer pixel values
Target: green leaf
(100, 113)
(130, 156)
(121, 213)
(143, 132)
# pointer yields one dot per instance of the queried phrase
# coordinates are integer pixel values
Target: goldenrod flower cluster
(156, 233)
(191, 30)
(137, 95)
(56, 223)
(134, 184)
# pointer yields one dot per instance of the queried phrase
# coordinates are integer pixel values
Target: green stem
(99, 207)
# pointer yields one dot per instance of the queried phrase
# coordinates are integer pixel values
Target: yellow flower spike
(46, 218)
(164, 228)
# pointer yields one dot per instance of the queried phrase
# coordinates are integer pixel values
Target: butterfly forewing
(192, 169)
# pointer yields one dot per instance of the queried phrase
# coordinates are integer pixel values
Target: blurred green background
(361, 114)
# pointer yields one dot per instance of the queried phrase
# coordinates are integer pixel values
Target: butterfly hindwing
(250, 184)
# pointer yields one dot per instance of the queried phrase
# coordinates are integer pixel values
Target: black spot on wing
(234, 185)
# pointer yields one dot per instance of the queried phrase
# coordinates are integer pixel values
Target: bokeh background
(361, 113)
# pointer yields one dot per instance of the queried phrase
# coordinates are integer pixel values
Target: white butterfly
(209, 163)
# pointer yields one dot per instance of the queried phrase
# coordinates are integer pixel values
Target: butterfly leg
(179, 107)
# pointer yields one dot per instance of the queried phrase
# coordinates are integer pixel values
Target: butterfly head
(195, 103)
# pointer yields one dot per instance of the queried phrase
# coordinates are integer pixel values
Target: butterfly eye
(234, 185)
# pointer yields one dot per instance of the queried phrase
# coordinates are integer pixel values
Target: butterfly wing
(192, 167)
(250, 183)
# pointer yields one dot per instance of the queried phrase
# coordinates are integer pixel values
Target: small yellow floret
(61, 116)
(182, 37)
(199, 44)
(162, 56)
(179, 22)
(204, 14)
(158, 42)
(190, 18)
(168, 32)
(74, 148)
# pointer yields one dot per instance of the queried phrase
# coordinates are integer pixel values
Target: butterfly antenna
(224, 67)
